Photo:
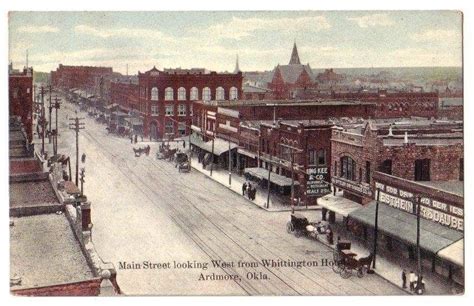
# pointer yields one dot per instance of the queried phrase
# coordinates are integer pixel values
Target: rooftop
(44, 251)
(236, 103)
(32, 193)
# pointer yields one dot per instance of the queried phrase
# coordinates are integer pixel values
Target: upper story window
(321, 157)
(312, 157)
(220, 94)
(422, 169)
(181, 94)
(154, 109)
(348, 168)
(194, 94)
(182, 110)
(386, 166)
(191, 110)
(169, 94)
(169, 111)
(233, 94)
(206, 94)
(154, 94)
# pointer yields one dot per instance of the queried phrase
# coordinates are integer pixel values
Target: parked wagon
(300, 226)
(345, 262)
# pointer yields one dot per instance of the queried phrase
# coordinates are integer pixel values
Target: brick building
(285, 80)
(396, 104)
(124, 92)
(83, 77)
(20, 97)
(166, 98)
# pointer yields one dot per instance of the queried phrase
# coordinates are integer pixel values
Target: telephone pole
(56, 106)
(77, 125)
(43, 120)
(50, 111)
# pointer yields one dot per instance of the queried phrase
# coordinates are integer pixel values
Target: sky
(212, 40)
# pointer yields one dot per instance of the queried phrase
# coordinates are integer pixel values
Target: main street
(144, 210)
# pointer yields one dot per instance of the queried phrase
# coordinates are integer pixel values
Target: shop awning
(246, 153)
(220, 146)
(277, 179)
(402, 226)
(454, 253)
(134, 121)
(338, 204)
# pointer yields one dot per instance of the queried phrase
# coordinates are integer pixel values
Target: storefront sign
(433, 210)
(317, 184)
(352, 186)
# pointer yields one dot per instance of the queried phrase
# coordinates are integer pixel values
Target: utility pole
(56, 106)
(83, 175)
(292, 181)
(50, 111)
(376, 227)
(77, 125)
(212, 153)
(43, 120)
(418, 251)
(230, 165)
(268, 181)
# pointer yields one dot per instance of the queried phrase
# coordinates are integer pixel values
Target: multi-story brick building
(396, 104)
(83, 77)
(20, 88)
(124, 92)
(166, 98)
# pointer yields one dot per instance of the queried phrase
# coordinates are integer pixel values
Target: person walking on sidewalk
(412, 280)
(244, 188)
(404, 279)
(249, 190)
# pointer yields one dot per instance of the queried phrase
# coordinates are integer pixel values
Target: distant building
(20, 89)
(166, 98)
(329, 77)
(285, 80)
(82, 77)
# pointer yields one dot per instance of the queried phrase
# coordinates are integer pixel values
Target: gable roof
(291, 73)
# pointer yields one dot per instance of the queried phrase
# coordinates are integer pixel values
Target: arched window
(220, 93)
(233, 94)
(206, 94)
(154, 94)
(194, 94)
(348, 168)
(169, 94)
(181, 94)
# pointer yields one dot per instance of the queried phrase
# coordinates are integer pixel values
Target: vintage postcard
(236, 153)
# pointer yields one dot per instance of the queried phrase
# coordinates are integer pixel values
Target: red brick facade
(125, 95)
(83, 77)
(167, 98)
(84, 288)
(396, 105)
(20, 88)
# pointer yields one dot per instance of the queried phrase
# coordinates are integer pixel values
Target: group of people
(413, 280)
(249, 191)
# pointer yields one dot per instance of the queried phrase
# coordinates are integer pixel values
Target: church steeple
(295, 59)
(237, 69)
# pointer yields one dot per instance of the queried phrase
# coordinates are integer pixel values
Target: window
(190, 109)
(169, 128)
(182, 110)
(348, 168)
(312, 157)
(386, 167)
(461, 169)
(367, 172)
(206, 94)
(15, 92)
(154, 94)
(194, 94)
(233, 94)
(169, 94)
(422, 169)
(220, 94)
(181, 128)
(169, 110)
(154, 109)
(322, 157)
(181, 94)
(28, 90)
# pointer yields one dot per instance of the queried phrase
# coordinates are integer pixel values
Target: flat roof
(44, 251)
(456, 187)
(234, 103)
(32, 193)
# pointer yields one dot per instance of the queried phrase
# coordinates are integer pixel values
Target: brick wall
(84, 288)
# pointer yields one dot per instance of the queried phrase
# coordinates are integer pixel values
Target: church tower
(295, 59)
(237, 69)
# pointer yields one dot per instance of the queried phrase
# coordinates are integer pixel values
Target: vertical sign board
(433, 210)
(317, 184)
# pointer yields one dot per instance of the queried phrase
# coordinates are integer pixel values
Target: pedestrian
(404, 279)
(131, 138)
(141, 137)
(184, 144)
(412, 279)
(136, 138)
(244, 188)
(254, 193)
(329, 236)
(249, 188)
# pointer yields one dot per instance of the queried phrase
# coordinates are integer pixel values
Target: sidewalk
(222, 176)
(389, 265)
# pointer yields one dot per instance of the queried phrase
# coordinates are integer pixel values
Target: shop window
(182, 129)
(169, 128)
(386, 167)
(422, 169)
(348, 168)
